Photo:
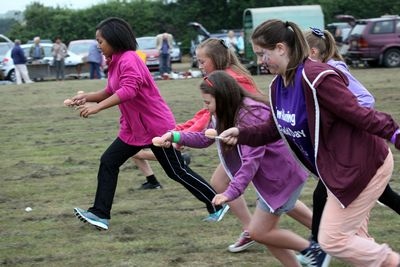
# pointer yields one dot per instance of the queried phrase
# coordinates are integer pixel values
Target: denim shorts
(288, 206)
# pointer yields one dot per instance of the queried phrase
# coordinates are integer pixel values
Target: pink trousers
(343, 232)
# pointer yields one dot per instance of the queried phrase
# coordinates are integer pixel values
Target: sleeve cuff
(176, 136)
(393, 139)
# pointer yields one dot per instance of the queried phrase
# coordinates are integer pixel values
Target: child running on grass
(213, 54)
(323, 49)
(144, 115)
(276, 176)
(342, 143)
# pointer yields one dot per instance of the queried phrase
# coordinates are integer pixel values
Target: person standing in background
(59, 51)
(95, 58)
(240, 44)
(164, 44)
(36, 52)
(18, 56)
(235, 43)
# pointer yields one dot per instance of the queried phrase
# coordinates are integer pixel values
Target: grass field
(48, 161)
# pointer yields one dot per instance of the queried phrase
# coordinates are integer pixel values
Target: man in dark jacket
(18, 56)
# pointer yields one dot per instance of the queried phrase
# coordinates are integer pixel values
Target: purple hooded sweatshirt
(272, 168)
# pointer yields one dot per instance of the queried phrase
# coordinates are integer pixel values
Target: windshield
(4, 47)
(146, 43)
(358, 29)
(80, 48)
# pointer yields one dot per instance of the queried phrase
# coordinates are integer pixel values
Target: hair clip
(222, 41)
(208, 81)
(317, 32)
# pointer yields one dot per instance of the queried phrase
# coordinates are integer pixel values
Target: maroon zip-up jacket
(348, 140)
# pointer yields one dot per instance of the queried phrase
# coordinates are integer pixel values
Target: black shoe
(148, 185)
(186, 158)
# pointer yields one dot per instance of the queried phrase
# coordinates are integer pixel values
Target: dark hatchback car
(375, 42)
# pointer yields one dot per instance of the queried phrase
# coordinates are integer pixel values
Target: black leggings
(388, 197)
(171, 161)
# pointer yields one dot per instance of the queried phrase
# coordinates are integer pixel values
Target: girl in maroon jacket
(336, 139)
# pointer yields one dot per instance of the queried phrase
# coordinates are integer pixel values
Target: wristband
(176, 136)
(393, 139)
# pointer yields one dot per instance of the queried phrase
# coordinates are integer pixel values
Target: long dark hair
(228, 96)
(271, 32)
(118, 34)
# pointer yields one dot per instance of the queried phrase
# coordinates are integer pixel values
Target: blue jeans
(165, 63)
(94, 70)
(59, 67)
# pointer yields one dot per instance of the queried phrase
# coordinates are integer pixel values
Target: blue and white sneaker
(302, 260)
(218, 215)
(314, 256)
(87, 216)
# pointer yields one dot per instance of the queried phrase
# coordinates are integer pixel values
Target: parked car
(81, 47)
(176, 54)
(147, 44)
(4, 38)
(375, 41)
(5, 45)
(340, 31)
(342, 28)
(203, 34)
(42, 41)
(72, 62)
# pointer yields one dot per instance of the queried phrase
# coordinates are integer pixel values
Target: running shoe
(218, 215)
(242, 243)
(87, 216)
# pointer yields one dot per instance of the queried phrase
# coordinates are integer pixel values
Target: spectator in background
(235, 43)
(59, 51)
(164, 45)
(36, 52)
(18, 56)
(95, 58)
(240, 44)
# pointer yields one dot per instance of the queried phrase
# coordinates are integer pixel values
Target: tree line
(152, 17)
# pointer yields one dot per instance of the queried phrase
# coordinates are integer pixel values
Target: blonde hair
(224, 58)
(325, 44)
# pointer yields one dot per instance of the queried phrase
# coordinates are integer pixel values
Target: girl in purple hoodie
(276, 176)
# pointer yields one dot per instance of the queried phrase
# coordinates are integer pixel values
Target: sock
(152, 179)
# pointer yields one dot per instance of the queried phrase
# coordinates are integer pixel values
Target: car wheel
(391, 58)
(11, 76)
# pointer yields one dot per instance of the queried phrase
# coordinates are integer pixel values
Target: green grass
(49, 158)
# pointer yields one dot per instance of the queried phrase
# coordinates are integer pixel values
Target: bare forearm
(110, 101)
(96, 96)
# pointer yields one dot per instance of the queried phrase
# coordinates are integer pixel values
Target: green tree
(151, 17)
